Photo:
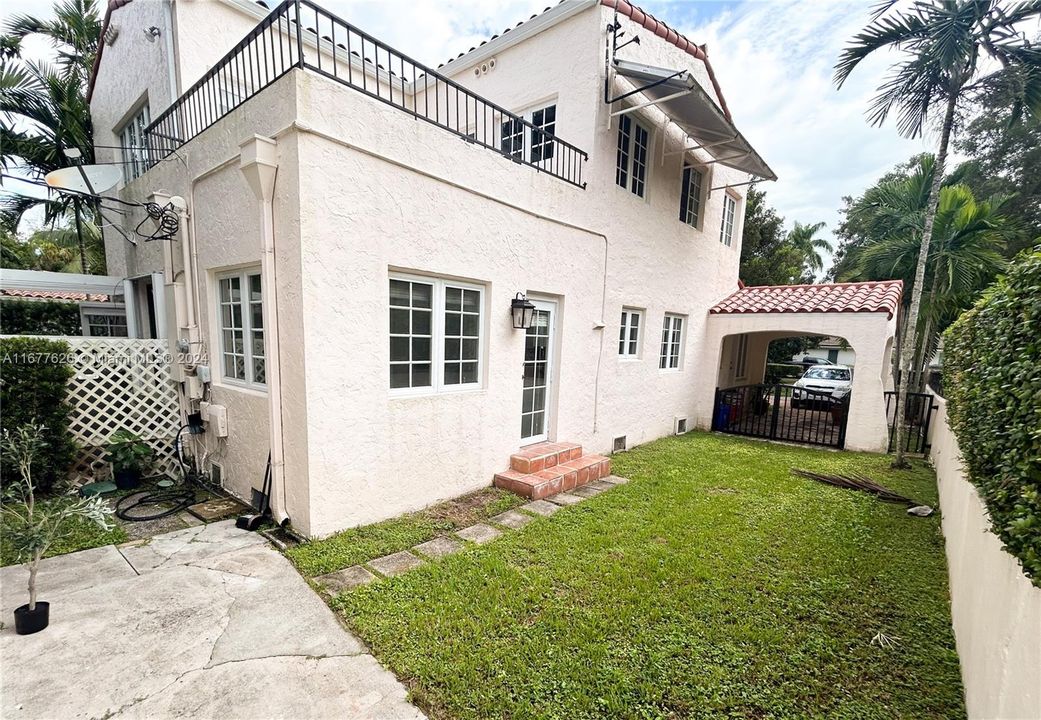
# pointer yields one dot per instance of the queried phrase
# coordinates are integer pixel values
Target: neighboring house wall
(995, 609)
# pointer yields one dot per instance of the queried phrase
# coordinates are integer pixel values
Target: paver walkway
(397, 563)
(206, 622)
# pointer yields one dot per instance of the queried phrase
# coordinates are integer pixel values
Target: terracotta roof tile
(54, 295)
(879, 296)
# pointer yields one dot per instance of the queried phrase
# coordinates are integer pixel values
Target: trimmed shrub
(992, 380)
(33, 374)
(39, 317)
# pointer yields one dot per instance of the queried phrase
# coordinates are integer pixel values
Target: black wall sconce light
(523, 311)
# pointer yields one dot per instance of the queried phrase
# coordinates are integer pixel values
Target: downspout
(258, 161)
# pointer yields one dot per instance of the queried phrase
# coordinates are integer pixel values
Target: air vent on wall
(484, 68)
(619, 444)
(680, 425)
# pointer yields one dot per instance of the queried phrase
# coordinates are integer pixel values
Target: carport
(741, 327)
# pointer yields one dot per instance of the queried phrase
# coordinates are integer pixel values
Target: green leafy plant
(992, 380)
(33, 377)
(39, 317)
(127, 451)
(32, 527)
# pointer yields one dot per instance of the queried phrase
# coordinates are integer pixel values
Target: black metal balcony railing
(300, 34)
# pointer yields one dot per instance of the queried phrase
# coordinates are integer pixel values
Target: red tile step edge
(560, 477)
(543, 456)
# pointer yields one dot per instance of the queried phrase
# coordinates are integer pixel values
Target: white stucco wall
(870, 334)
(996, 611)
(364, 189)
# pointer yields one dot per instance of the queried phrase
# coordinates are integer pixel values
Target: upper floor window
(726, 228)
(631, 165)
(671, 342)
(690, 196)
(539, 138)
(435, 334)
(133, 145)
(545, 120)
(241, 319)
(629, 333)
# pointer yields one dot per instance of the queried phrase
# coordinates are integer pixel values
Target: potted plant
(129, 456)
(32, 526)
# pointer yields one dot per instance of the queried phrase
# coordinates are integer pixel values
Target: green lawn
(715, 584)
(82, 534)
(366, 543)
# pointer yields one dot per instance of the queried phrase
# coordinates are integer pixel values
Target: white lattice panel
(121, 383)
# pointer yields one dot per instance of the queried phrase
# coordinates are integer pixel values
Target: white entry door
(538, 371)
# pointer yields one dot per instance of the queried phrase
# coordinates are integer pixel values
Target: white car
(833, 380)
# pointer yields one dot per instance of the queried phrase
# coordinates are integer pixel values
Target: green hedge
(33, 373)
(39, 317)
(992, 380)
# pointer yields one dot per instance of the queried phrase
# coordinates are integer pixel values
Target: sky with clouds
(773, 59)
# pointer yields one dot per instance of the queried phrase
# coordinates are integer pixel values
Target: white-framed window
(631, 163)
(102, 321)
(435, 334)
(133, 145)
(513, 138)
(740, 357)
(690, 195)
(629, 333)
(515, 135)
(726, 228)
(545, 120)
(240, 317)
(671, 342)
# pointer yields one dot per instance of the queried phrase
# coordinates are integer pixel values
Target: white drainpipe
(258, 161)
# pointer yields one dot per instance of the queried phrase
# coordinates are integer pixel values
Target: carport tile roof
(878, 296)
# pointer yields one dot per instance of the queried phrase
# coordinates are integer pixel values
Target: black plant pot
(127, 479)
(27, 622)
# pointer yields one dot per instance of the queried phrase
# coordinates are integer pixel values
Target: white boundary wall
(995, 608)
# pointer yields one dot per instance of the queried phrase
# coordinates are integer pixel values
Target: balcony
(300, 34)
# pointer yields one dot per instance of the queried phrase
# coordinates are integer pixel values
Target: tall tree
(43, 107)
(943, 43)
(804, 239)
(767, 258)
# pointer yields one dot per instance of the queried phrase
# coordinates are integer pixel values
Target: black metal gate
(781, 412)
(919, 413)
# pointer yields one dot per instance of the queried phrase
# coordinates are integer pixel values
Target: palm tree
(802, 237)
(943, 43)
(43, 107)
(964, 257)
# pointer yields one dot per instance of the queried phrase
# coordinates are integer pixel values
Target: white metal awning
(680, 96)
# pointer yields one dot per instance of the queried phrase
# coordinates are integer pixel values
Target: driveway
(206, 622)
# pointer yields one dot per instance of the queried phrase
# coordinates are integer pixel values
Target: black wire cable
(181, 498)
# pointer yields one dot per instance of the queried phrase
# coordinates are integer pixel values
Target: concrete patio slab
(439, 547)
(540, 507)
(601, 485)
(586, 491)
(337, 582)
(512, 519)
(479, 533)
(222, 627)
(565, 499)
(62, 575)
(395, 564)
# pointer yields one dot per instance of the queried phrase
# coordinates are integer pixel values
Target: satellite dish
(89, 179)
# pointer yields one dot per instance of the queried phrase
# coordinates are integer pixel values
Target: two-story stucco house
(355, 230)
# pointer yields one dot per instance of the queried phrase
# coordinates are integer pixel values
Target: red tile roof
(54, 295)
(879, 296)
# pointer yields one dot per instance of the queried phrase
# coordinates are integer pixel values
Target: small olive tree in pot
(32, 526)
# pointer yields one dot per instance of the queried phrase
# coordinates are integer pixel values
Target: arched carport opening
(741, 327)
